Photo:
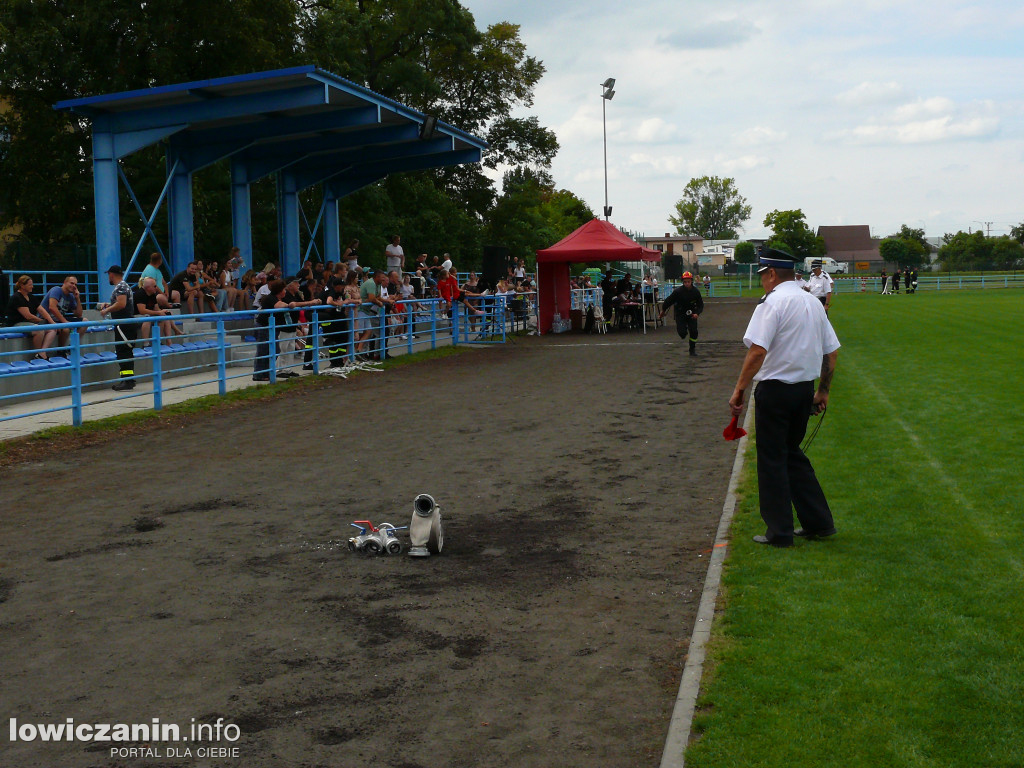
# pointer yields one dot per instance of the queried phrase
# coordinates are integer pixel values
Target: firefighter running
(689, 304)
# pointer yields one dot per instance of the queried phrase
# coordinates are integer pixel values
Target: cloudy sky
(878, 112)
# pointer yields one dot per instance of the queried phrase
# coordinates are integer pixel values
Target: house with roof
(853, 244)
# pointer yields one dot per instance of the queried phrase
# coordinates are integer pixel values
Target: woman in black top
(23, 309)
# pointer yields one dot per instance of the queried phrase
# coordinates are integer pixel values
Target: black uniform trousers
(125, 336)
(785, 477)
(686, 326)
(335, 330)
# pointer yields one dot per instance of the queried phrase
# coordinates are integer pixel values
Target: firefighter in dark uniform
(689, 304)
(334, 322)
(122, 307)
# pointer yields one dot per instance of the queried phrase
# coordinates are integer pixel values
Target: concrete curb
(678, 737)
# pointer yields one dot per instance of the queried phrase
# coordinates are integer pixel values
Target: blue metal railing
(84, 363)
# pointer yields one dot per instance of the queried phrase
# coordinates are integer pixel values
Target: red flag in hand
(733, 432)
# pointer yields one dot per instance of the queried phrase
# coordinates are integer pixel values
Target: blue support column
(179, 211)
(289, 251)
(332, 227)
(105, 196)
(241, 212)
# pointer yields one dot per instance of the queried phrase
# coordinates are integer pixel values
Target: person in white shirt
(820, 285)
(394, 255)
(790, 342)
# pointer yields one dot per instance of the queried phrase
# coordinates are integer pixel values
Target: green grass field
(899, 642)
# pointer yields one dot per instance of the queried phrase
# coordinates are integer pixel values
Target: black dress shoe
(261, 377)
(805, 534)
(776, 542)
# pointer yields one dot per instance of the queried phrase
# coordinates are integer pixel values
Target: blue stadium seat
(175, 348)
(6, 368)
(108, 357)
(40, 364)
(21, 366)
(11, 335)
(191, 346)
(99, 328)
(60, 362)
(90, 358)
(248, 338)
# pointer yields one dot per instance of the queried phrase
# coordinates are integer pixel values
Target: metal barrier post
(382, 339)
(158, 370)
(433, 325)
(76, 377)
(455, 323)
(314, 328)
(410, 326)
(272, 348)
(222, 372)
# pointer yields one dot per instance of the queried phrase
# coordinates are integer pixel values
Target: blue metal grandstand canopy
(304, 124)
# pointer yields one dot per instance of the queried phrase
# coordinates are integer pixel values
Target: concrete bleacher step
(99, 368)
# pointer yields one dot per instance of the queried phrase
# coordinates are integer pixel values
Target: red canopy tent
(595, 241)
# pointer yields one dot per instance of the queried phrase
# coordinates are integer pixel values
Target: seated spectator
(212, 288)
(435, 271)
(236, 264)
(25, 310)
(145, 301)
(166, 298)
(233, 296)
(187, 285)
(64, 305)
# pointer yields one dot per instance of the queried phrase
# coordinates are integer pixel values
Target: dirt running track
(203, 572)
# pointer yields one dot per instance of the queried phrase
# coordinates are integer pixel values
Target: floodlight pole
(606, 95)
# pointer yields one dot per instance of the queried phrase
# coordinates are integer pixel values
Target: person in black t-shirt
(145, 300)
(24, 310)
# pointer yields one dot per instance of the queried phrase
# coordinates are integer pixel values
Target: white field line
(673, 756)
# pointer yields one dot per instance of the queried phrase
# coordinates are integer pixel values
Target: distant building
(854, 244)
(682, 253)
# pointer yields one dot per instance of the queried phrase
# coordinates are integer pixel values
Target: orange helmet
(687, 276)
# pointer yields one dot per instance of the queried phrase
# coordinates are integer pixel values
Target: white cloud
(714, 33)
(871, 93)
(759, 135)
(654, 130)
(923, 109)
(945, 128)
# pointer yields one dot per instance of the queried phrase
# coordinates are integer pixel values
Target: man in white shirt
(790, 342)
(819, 285)
(394, 255)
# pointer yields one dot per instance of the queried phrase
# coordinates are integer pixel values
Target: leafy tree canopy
(790, 230)
(972, 251)
(745, 253)
(427, 53)
(711, 207)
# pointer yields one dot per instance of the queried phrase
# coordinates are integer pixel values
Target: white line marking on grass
(942, 473)
(673, 755)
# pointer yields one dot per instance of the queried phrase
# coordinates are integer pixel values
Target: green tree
(1017, 233)
(745, 253)
(790, 230)
(61, 50)
(532, 214)
(893, 250)
(915, 247)
(964, 251)
(711, 207)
